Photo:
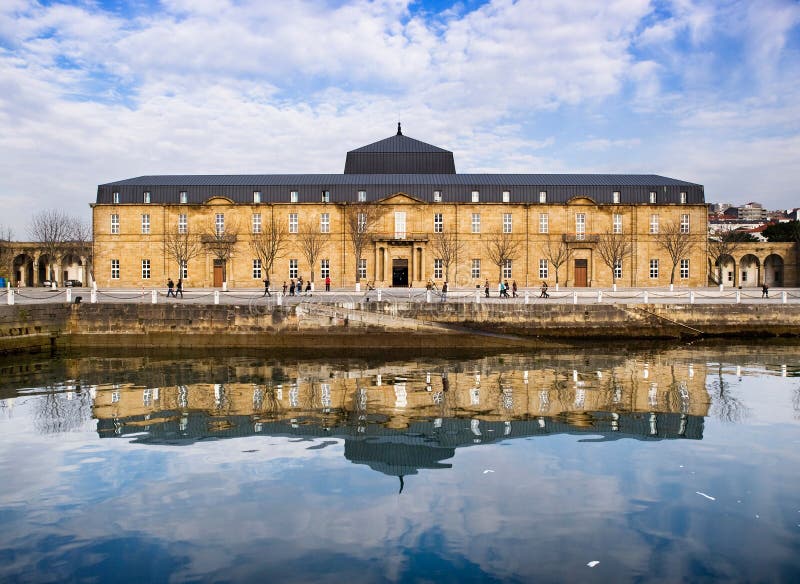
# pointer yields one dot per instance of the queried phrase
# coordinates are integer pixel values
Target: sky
(97, 91)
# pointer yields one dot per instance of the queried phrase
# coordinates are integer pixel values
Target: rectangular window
(183, 223)
(437, 196)
(544, 223)
(362, 222)
(506, 196)
(437, 269)
(145, 269)
(326, 196)
(654, 223)
(292, 222)
(293, 196)
(219, 223)
(476, 196)
(292, 268)
(506, 222)
(476, 223)
(115, 269)
(256, 196)
(400, 225)
(146, 197)
(507, 269)
(542, 196)
(183, 269)
(115, 198)
(362, 196)
(543, 269)
(325, 223)
(684, 269)
(617, 269)
(438, 223)
(617, 224)
(683, 198)
(362, 268)
(324, 268)
(145, 223)
(256, 222)
(184, 198)
(580, 226)
(653, 269)
(476, 268)
(615, 197)
(257, 269)
(652, 197)
(685, 223)
(114, 223)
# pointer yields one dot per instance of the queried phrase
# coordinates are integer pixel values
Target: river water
(654, 463)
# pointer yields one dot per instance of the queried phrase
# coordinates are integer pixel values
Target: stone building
(399, 216)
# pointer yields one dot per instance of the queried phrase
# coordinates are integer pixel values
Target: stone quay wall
(376, 324)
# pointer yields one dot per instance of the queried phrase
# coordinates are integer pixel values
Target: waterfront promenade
(249, 296)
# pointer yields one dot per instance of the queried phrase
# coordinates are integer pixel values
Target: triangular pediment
(401, 199)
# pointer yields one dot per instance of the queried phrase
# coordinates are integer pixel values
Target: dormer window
(437, 196)
(146, 197)
(326, 196)
(184, 198)
(476, 196)
(683, 198)
(362, 196)
(542, 196)
(256, 196)
(293, 196)
(615, 197)
(506, 196)
(652, 197)
(115, 198)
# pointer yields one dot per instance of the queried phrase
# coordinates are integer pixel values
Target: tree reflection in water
(725, 405)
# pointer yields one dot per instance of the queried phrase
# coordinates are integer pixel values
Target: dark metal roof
(400, 143)
(399, 154)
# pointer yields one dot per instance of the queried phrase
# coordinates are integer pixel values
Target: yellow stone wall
(130, 246)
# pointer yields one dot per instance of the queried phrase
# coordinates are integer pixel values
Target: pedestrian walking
(514, 288)
(327, 283)
(291, 287)
(486, 288)
(544, 293)
(444, 292)
(179, 288)
(170, 288)
(284, 287)
(764, 290)
(308, 288)
(299, 287)
(266, 287)
(505, 289)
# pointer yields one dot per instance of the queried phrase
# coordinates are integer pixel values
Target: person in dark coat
(291, 287)
(170, 288)
(764, 290)
(179, 288)
(486, 288)
(266, 287)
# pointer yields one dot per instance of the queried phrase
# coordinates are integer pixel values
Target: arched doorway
(72, 268)
(23, 270)
(726, 267)
(773, 270)
(749, 271)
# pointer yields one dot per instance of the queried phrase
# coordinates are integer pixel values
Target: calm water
(661, 463)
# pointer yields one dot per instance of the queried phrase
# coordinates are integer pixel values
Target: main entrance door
(219, 273)
(400, 273)
(581, 273)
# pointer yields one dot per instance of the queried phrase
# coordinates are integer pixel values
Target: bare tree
(6, 253)
(182, 248)
(722, 246)
(81, 238)
(269, 243)
(313, 243)
(676, 243)
(613, 249)
(447, 247)
(51, 229)
(221, 239)
(557, 253)
(501, 248)
(360, 222)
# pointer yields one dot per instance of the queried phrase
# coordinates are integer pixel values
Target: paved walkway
(341, 295)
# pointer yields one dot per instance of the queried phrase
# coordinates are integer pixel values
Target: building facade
(400, 216)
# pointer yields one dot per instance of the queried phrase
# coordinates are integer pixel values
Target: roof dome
(399, 155)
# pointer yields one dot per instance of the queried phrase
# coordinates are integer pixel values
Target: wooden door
(581, 273)
(219, 274)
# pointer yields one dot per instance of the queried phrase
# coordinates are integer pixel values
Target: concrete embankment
(376, 324)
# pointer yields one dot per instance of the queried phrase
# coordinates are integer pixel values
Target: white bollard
(358, 286)
(614, 287)
(225, 286)
(556, 286)
(53, 285)
(599, 296)
(574, 297)
(216, 295)
(672, 287)
(93, 296)
(69, 295)
(645, 296)
(720, 288)
(428, 296)
(380, 294)
(738, 296)
(691, 297)
(153, 296)
(279, 301)
(10, 298)
(783, 297)
(477, 297)
(527, 297)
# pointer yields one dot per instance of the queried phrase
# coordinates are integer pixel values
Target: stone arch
(47, 268)
(72, 267)
(22, 274)
(726, 265)
(773, 270)
(749, 271)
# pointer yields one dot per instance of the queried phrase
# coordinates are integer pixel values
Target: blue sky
(97, 91)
